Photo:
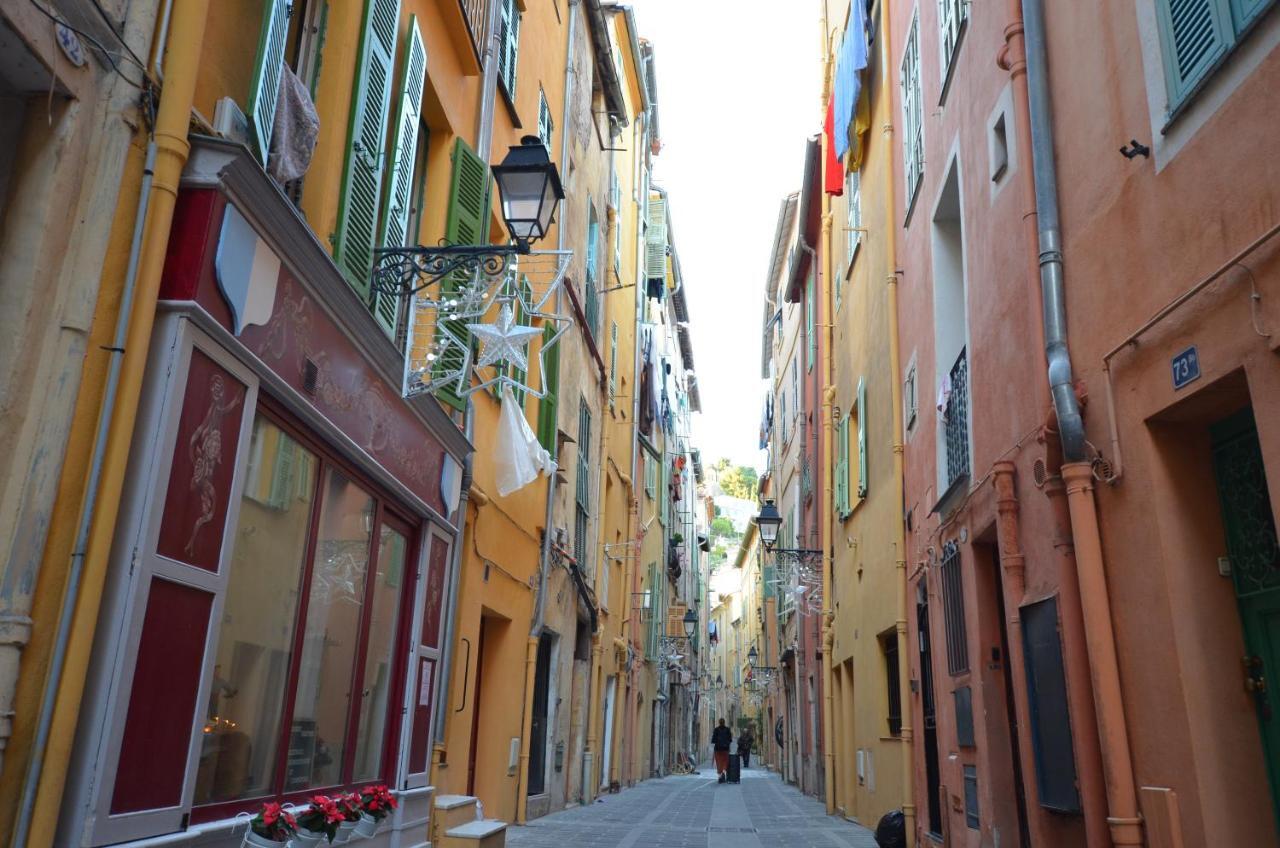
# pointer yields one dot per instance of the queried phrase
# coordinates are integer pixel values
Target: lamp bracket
(405, 271)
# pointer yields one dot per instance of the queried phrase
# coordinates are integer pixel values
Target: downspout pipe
(49, 769)
(1123, 817)
(455, 582)
(1044, 173)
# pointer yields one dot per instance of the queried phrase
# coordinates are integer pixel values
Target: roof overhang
(809, 211)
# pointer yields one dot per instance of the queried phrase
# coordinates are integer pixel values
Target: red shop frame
(389, 511)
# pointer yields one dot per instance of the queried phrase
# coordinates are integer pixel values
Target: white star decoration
(505, 341)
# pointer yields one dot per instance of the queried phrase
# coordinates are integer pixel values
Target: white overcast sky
(738, 94)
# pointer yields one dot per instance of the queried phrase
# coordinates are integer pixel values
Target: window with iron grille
(912, 113)
(952, 15)
(953, 609)
(956, 417)
(889, 648)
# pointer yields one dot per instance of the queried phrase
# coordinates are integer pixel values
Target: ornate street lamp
(690, 623)
(769, 520)
(529, 190)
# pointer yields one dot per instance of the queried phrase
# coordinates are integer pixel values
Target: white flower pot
(344, 833)
(367, 826)
(307, 838)
(253, 840)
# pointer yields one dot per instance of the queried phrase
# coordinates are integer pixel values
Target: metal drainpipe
(455, 574)
(67, 613)
(1123, 816)
(488, 85)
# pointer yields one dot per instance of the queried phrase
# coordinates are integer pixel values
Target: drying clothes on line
(833, 169)
(849, 65)
(294, 130)
(944, 395)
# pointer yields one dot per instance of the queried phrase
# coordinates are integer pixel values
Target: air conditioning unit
(229, 122)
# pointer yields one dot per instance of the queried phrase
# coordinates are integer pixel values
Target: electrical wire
(102, 13)
(110, 56)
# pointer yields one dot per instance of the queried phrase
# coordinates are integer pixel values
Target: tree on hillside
(722, 526)
(740, 482)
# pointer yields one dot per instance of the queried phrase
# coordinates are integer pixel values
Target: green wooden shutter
(842, 467)
(268, 68)
(810, 322)
(509, 46)
(1195, 34)
(404, 152)
(584, 448)
(547, 406)
(362, 182)
(519, 374)
(862, 438)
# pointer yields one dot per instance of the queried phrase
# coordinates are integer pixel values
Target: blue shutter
(1195, 34)
(362, 183)
(269, 65)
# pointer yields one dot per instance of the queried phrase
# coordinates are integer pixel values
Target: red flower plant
(377, 801)
(323, 816)
(349, 805)
(274, 823)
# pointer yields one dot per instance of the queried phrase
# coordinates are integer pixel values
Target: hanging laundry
(849, 65)
(833, 170)
(944, 395)
(857, 132)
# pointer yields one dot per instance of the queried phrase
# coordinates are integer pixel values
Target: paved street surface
(695, 812)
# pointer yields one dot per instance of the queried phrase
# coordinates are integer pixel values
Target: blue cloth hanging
(849, 65)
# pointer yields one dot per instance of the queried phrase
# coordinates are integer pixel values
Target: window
(782, 416)
(909, 396)
(1195, 35)
(545, 125)
(508, 45)
(613, 363)
(953, 610)
(795, 387)
(912, 114)
(591, 295)
(971, 818)
(308, 704)
(811, 318)
(843, 507)
(893, 691)
(952, 15)
(650, 476)
(861, 411)
(998, 143)
(853, 219)
(584, 452)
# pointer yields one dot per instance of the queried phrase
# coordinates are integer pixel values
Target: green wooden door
(1255, 570)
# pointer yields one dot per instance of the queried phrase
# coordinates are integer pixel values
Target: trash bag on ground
(891, 832)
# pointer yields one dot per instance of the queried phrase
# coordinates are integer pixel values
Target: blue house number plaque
(1186, 367)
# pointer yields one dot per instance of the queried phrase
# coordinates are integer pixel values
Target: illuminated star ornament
(505, 341)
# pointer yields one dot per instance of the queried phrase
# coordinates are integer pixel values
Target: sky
(738, 94)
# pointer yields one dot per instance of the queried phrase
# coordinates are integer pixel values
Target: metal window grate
(957, 421)
(475, 12)
(953, 609)
(971, 818)
(889, 645)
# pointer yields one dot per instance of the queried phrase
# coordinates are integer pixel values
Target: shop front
(272, 620)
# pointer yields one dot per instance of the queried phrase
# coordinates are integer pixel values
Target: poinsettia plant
(349, 804)
(323, 816)
(274, 823)
(377, 801)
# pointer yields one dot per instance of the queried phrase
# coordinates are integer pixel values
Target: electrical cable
(102, 13)
(111, 57)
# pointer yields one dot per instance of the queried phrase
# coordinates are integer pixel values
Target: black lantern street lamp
(753, 656)
(529, 190)
(690, 623)
(529, 187)
(769, 520)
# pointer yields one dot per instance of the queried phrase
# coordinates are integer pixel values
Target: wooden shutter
(862, 439)
(362, 182)
(404, 152)
(656, 239)
(613, 362)
(842, 467)
(584, 448)
(509, 46)
(1195, 34)
(265, 89)
(547, 406)
(467, 223)
(810, 326)
(545, 125)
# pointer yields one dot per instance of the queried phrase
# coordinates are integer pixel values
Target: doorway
(538, 723)
(932, 775)
(606, 753)
(1254, 553)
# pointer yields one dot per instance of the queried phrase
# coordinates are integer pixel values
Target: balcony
(466, 21)
(956, 422)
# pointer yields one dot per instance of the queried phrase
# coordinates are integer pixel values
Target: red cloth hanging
(833, 173)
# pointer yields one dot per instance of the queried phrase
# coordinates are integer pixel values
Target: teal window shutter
(842, 467)
(591, 304)
(1194, 35)
(551, 382)
(266, 76)
(362, 182)
(404, 152)
(466, 224)
(613, 362)
(584, 449)
(862, 438)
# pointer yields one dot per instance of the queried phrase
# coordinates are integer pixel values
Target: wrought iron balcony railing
(477, 14)
(957, 420)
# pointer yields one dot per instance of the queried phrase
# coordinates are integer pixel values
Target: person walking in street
(721, 739)
(744, 748)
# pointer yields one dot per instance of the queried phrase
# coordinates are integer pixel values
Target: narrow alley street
(694, 811)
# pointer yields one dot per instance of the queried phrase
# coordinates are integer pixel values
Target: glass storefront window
(331, 637)
(376, 687)
(251, 671)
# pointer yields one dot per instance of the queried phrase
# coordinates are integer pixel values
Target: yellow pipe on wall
(526, 727)
(186, 33)
(895, 395)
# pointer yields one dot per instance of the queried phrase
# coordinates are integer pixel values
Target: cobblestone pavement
(695, 812)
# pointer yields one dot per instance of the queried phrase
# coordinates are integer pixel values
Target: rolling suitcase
(735, 768)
